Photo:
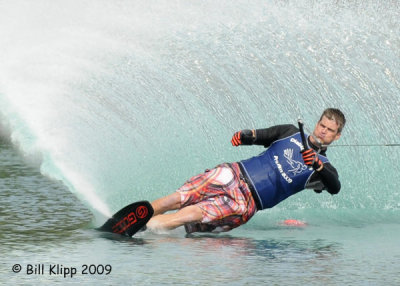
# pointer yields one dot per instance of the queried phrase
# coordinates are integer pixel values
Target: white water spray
(126, 101)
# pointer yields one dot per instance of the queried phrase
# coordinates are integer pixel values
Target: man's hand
(311, 158)
(243, 137)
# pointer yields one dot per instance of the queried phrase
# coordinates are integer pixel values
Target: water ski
(130, 219)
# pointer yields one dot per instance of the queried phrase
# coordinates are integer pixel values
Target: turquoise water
(107, 103)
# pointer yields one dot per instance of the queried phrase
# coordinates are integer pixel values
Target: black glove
(243, 137)
(311, 158)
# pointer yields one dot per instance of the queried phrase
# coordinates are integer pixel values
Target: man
(230, 194)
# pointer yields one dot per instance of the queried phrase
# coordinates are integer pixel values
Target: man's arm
(329, 177)
(264, 136)
(268, 135)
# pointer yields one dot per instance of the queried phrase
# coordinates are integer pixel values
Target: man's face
(326, 131)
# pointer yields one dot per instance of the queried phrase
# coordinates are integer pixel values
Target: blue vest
(278, 172)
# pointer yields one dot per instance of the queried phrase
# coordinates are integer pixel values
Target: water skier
(227, 196)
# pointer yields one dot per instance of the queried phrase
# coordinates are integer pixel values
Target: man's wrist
(320, 168)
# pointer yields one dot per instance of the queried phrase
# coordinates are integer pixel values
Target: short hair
(337, 115)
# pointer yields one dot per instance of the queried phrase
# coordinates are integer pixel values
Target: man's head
(330, 126)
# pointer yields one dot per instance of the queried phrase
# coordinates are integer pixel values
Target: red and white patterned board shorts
(223, 197)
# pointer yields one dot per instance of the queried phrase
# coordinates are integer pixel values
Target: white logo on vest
(297, 166)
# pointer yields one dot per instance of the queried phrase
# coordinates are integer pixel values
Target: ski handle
(303, 137)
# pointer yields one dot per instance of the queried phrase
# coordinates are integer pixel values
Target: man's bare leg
(173, 220)
(188, 214)
(169, 221)
(168, 203)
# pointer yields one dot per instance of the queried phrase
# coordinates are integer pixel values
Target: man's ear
(337, 136)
